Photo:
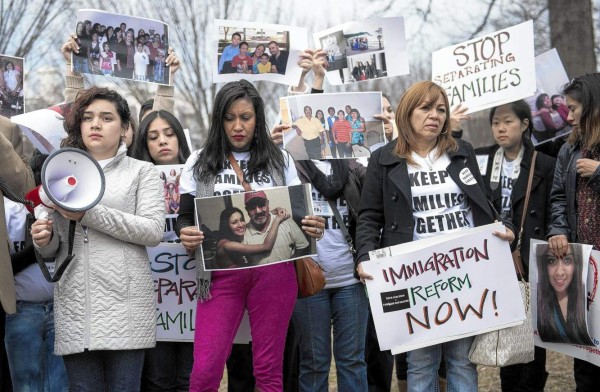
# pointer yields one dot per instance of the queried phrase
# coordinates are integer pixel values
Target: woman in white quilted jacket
(104, 303)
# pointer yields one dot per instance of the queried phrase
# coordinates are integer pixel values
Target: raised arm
(250, 249)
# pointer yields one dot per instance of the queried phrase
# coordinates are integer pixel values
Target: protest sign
(257, 51)
(488, 71)
(370, 49)
(579, 282)
(123, 46)
(12, 86)
(169, 178)
(443, 288)
(549, 110)
(254, 229)
(44, 128)
(330, 126)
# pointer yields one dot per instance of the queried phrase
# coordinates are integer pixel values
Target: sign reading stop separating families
(443, 288)
(490, 70)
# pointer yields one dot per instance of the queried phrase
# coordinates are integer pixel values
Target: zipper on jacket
(87, 327)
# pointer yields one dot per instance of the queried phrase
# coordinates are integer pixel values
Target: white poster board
(443, 288)
(587, 353)
(488, 71)
(370, 49)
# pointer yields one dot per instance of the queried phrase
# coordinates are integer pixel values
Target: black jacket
(564, 192)
(537, 220)
(386, 214)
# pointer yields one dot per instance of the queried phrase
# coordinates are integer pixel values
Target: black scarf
(331, 187)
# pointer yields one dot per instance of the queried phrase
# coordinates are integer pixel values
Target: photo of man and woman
(11, 86)
(561, 303)
(122, 46)
(330, 126)
(256, 228)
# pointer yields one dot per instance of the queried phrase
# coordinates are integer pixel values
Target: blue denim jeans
(423, 364)
(346, 308)
(167, 367)
(29, 344)
(105, 370)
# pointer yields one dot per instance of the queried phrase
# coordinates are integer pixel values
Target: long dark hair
(586, 91)
(264, 154)
(224, 229)
(547, 302)
(72, 123)
(140, 144)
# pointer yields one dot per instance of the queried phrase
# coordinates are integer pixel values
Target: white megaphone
(71, 180)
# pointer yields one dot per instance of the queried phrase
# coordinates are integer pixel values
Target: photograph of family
(330, 126)
(11, 86)
(561, 304)
(123, 46)
(256, 228)
(255, 51)
(359, 51)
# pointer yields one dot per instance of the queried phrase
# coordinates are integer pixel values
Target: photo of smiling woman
(231, 251)
(561, 299)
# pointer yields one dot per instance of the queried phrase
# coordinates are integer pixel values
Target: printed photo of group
(256, 228)
(359, 51)
(122, 46)
(330, 126)
(11, 86)
(245, 50)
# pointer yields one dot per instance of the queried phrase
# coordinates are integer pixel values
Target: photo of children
(336, 56)
(169, 175)
(359, 50)
(239, 48)
(548, 107)
(11, 86)
(330, 126)
(118, 45)
(256, 228)
(255, 51)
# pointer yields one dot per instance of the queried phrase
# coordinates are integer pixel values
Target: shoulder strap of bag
(527, 194)
(342, 225)
(239, 173)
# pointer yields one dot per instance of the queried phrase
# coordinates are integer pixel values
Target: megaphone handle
(58, 273)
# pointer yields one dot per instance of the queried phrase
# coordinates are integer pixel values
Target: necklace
(428, 161)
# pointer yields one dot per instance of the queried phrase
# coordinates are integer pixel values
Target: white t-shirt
(439, 205)
(140, 61)
(227, 183)
(30, 284)
(506, 183)
(333, 252)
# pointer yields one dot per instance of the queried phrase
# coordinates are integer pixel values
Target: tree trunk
(572, 34)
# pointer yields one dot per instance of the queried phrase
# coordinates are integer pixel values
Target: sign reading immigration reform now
(488, 71)
(443, 288)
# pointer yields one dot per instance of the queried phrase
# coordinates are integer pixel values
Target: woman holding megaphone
(104, 302)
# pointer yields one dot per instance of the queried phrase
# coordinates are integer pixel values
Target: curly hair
(72, 123)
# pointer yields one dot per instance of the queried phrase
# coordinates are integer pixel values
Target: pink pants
(269, 293)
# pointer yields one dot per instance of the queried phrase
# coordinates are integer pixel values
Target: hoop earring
(445, 132)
